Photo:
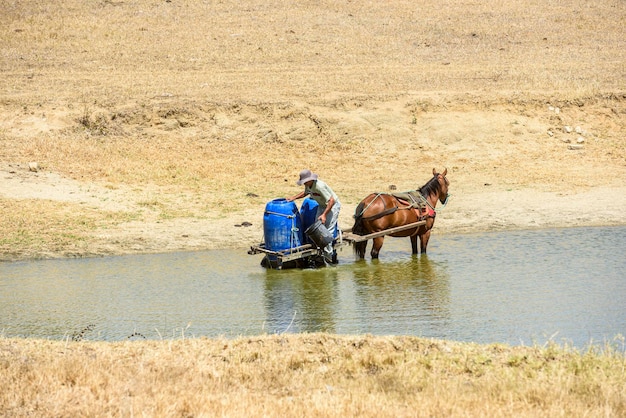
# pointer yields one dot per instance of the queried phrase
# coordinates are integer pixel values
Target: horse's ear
(445, 171)
(434, 172)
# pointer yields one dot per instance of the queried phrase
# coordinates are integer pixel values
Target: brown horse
(380, 211)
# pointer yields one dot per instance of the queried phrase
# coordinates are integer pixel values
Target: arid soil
(162, 126)
(507, 171)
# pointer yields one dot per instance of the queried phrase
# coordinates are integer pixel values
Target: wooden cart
(309, 255)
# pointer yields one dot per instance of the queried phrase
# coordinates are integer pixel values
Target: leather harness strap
(381, 214)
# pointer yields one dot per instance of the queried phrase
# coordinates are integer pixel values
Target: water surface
(565, 285)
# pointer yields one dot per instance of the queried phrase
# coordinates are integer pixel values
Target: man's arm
(329, 206)
(298, 196)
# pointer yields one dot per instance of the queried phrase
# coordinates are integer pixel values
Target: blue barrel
(282, 226)
(308, 213)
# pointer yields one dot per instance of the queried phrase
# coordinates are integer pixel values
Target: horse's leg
(376, 246)
(424, 241)
(414, 243)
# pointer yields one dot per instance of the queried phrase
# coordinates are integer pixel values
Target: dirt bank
(493, 184)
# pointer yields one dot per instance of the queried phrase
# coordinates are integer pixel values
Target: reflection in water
(301, 300)
(409, 296)
(414, 291)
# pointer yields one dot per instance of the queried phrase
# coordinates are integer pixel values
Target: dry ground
(160, 126)
(310, 375)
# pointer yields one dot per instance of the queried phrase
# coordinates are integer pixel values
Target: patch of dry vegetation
(57, 228)
(262, 50)
(308, 375)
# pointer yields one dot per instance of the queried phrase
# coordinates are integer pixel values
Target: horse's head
(443, 185)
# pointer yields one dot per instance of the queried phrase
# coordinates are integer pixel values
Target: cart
(309, 255)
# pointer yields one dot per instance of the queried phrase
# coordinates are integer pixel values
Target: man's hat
(306, 175)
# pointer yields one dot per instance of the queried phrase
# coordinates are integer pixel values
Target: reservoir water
(526, 287)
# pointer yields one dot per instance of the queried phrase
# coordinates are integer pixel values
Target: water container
(319, 234)
(282, 226)
(308, 213)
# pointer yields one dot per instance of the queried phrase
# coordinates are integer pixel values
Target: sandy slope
(507, 171)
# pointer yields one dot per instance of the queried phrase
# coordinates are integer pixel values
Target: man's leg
(331, 225)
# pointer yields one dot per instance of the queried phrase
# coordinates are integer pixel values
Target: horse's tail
(359, 229)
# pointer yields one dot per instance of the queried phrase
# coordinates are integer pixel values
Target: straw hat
(306, 175)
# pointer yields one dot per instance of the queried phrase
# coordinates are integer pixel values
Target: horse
(381, 211)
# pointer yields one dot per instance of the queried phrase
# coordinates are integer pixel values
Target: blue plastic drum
(282, 225)
(308, 213)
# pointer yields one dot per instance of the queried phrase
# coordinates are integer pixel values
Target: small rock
(575, 147)
(580, 140)
(34, 167)
(550, 133)
(392, 187)
(567, 129)
(578, 130)
(170, 124)
(222, 120)
(557, 110)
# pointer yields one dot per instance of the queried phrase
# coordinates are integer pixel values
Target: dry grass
(262, 50)
(308, 375)
(58, 228)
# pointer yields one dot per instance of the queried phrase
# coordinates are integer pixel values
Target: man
(328, 204)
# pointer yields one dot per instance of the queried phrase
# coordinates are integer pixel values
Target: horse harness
(411, 200)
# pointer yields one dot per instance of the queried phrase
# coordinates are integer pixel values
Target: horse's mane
(432, 187)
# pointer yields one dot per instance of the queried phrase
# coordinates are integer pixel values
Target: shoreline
(488, 211)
